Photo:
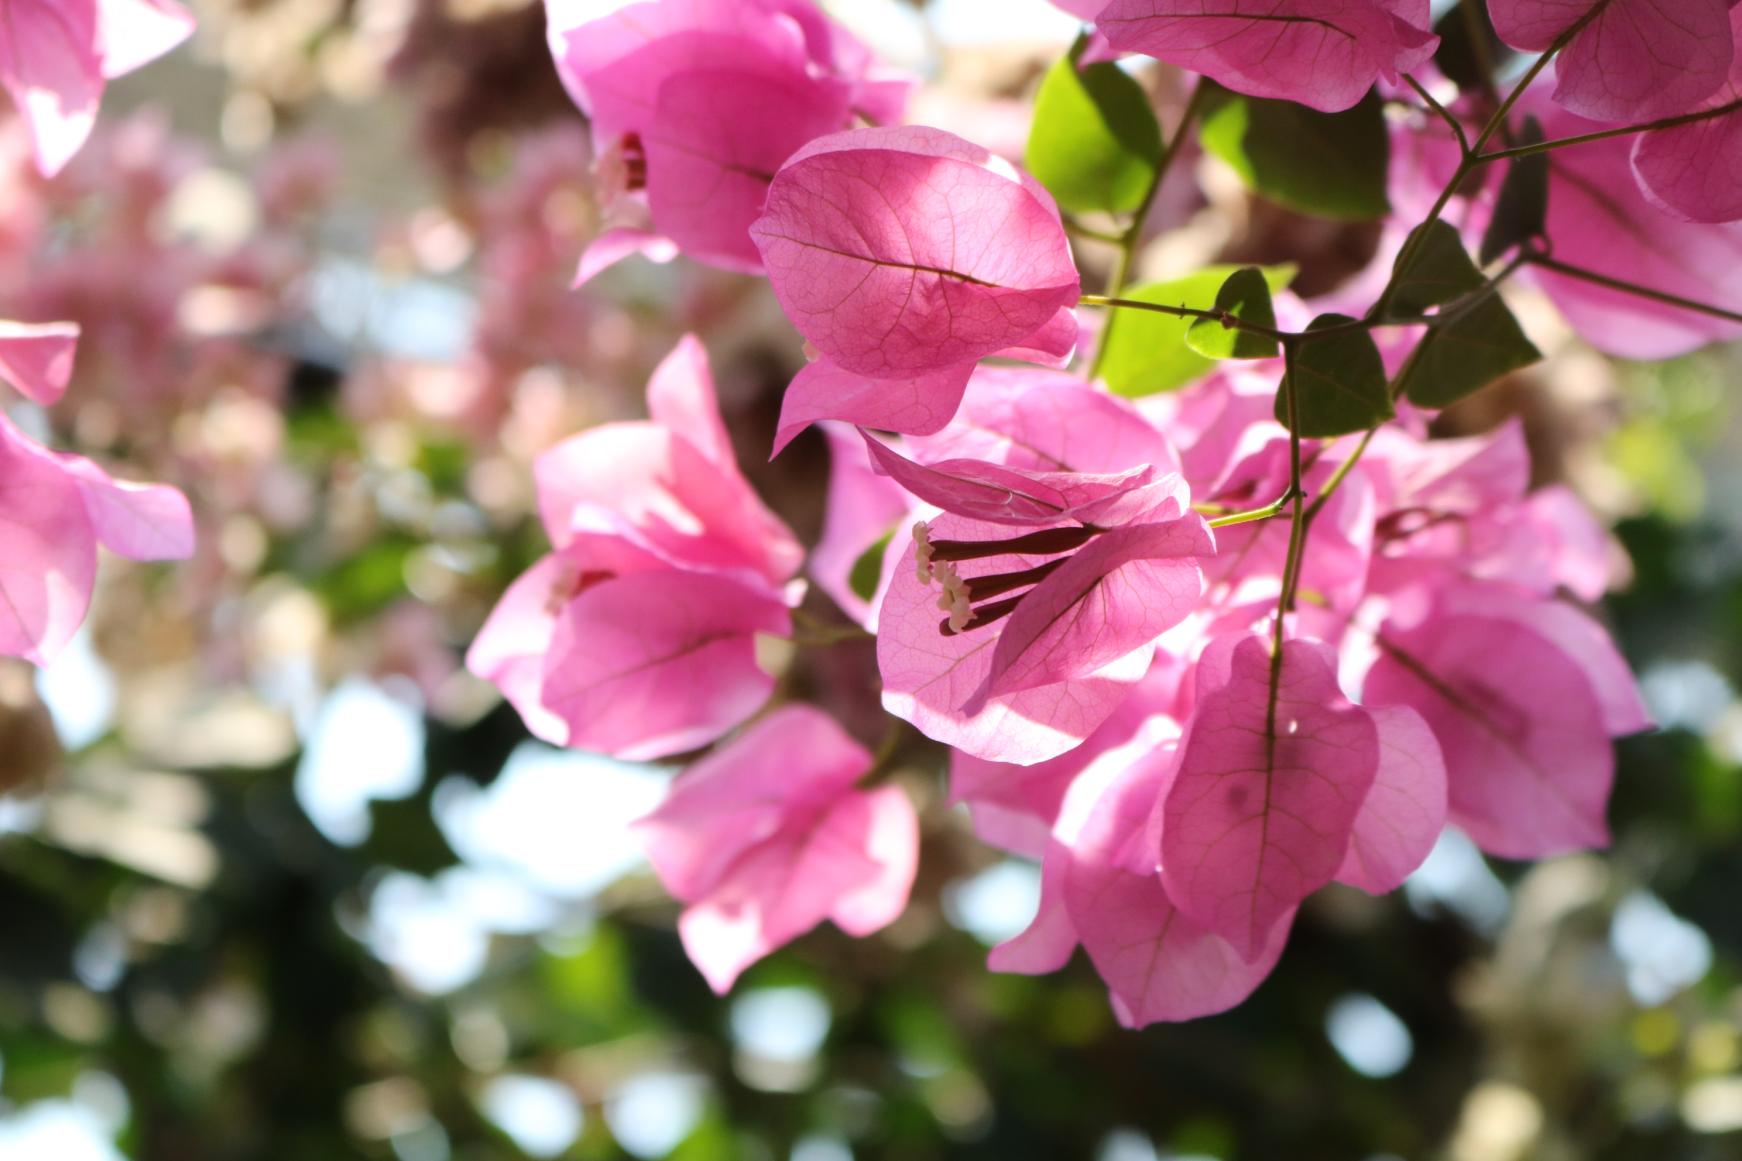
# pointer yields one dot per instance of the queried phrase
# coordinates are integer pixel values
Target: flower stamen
(1043, 543)
(922, 551)
(954, 598)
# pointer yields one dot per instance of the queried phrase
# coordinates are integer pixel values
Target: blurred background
(279, 881)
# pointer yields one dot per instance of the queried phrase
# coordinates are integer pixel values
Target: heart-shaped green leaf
(1339, 380)
(1094, 142)
(1146, 351)
(1243, 298)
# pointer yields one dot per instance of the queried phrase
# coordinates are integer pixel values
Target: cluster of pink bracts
(1052, 603)
(55, 57)
(1098, 659)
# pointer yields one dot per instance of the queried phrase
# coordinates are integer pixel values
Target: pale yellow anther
(922, 551)
(954, 598)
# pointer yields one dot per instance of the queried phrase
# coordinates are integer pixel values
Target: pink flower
(1014, 638)
(1011, 417)
(1023, 496)
(1102, 887)
(60, 507)
(1235, 456)
(1246, 577)
(1628, 60)
(1024, 417)
(1021, 678)
(637, 635)
(672, 480)
(1017, 807)
(904, 256)
(1694, 171)
(1058, 678)
(769, 835)
(1178, 864)
(1323, 53)
(696, 103)
(1460, 506)
(1523, 695)
(1275, 770)
(57, 55)
(1598, 219)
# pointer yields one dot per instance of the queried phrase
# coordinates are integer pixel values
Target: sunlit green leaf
(868, 569)
(1094, 142)
(1244, 296)
(1147, 352)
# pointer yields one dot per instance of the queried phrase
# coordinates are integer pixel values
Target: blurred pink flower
(57, 55)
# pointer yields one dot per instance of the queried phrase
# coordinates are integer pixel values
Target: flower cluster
(695, 104)
(55, 59)
(1200, 652)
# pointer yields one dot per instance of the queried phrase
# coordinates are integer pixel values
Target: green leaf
(1244, 296)
(1431, 269)
(1332, 165)
(1147, 352)
(1461, 56)
(1521, 212)
(1339, 381)
(1464, 351)
(1095, 142)
(862, 578)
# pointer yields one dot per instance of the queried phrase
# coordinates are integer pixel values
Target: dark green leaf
(1469, 348)
(1146, 352)
(1339, 381)
(1244, 296)
(1461, 56)
(1332, 165)
(862, 578)
(1521, 213)
(1431, 269)
(1094, 143)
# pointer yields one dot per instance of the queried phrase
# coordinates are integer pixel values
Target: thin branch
(1255, 514)
(1083, 231)
(1444, 113)
(1530, 75)
(1298, 531)
(1414, 241)
(1606, 134)
(1128, 241)
(1596, 279)
(1341, 474)
(1225, 318)
(1291, 565)
(1478, 33)
(1471, 160)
